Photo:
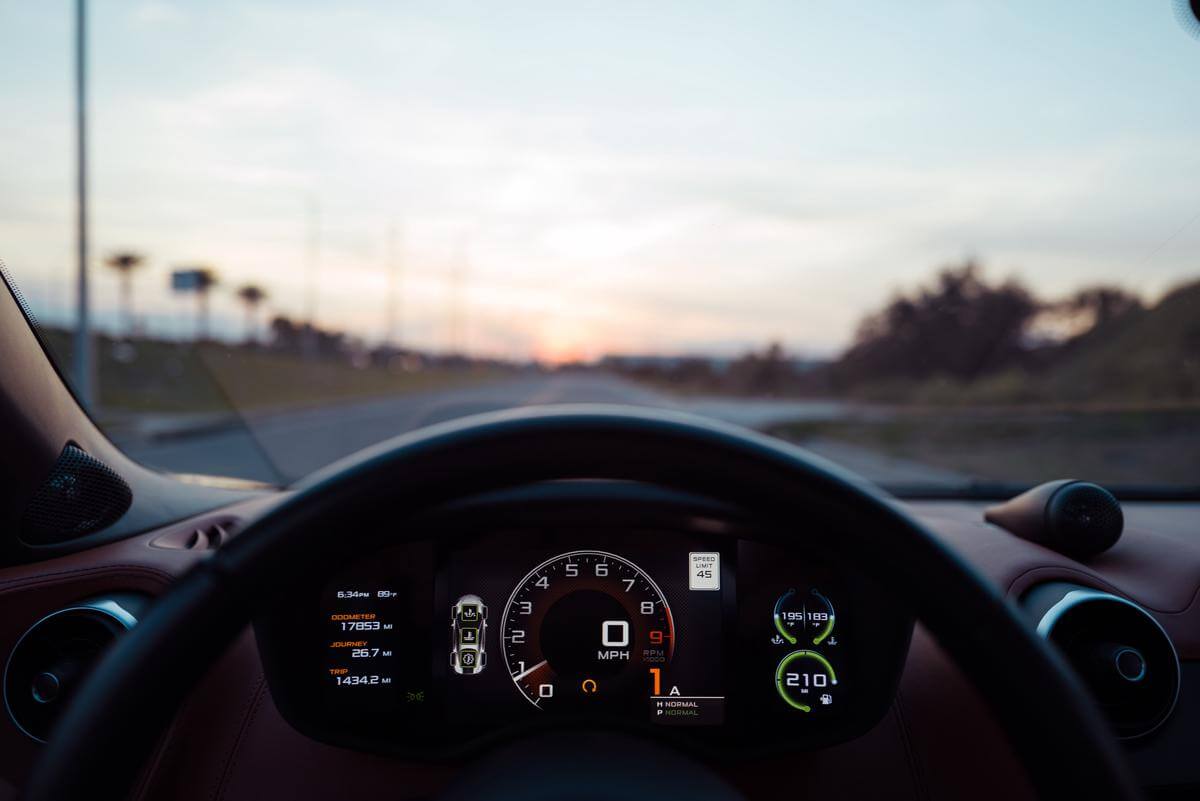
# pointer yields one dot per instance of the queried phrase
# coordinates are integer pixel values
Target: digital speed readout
(583, 621)
(593, 632)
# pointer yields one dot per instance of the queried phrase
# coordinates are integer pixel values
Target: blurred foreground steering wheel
(104, 738)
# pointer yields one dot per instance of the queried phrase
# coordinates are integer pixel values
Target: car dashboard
(272, 719)
(567, 605)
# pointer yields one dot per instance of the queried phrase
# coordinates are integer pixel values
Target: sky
(564, 180)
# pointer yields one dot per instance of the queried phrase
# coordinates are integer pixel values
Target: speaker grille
(1085, 519)
(81, 495)
(17, 296)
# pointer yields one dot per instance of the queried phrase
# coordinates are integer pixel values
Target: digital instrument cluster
(630, 630)
(436, 644)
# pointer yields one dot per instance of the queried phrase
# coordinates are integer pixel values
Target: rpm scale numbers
(586, 627)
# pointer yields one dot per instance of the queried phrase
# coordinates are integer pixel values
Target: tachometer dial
(587, 627)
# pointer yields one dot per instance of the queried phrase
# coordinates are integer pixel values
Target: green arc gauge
(794, 619)
(805, 679)
(784, 629)
(827, 629)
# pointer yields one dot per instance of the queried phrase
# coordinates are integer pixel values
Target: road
(282, 446)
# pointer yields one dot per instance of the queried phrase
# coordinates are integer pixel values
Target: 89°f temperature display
(362, 636)
(375, 627)
(586, 628)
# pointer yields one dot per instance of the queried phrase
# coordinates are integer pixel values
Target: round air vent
(1119, 650)
(52, 657)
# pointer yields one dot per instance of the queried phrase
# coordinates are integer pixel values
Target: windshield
(948, 245)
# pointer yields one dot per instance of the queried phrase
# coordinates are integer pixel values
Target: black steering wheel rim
(104, 737)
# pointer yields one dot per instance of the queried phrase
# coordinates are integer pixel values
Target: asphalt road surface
(283, 446)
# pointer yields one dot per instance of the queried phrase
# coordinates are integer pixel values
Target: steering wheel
(104, 738)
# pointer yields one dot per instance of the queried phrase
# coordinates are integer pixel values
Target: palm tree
(252, 295)
(196, 281)
(204, 280)
(125, 262)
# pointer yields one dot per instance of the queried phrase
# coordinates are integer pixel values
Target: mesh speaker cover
(1084, 519)
(81, 495)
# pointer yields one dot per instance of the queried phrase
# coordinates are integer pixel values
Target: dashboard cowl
(1123, 655)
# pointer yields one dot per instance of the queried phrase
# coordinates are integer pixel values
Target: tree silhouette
(962, 327)
(1099, 305)
(124, 263)
(252, 297)
(206, 279)
(766, 373)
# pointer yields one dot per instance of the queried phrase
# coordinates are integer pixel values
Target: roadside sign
(187, 280)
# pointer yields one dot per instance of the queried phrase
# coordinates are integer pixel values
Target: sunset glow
(673, 178)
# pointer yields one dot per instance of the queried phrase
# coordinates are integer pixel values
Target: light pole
(84, 361)
(392, 336)
(312, 267)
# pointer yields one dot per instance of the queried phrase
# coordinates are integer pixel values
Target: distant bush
(964, 340)
(960, 328)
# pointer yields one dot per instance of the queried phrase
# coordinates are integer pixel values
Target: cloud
(589, 203)
(154, 14)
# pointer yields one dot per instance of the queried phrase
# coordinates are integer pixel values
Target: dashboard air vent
(1123, 655)
(52, 658)
(203, 535)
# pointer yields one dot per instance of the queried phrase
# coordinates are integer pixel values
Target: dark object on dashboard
(1121, 652)
(1076, 518)
(80, 496)
(53, 657)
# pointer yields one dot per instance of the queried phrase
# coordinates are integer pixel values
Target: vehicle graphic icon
(468, 625)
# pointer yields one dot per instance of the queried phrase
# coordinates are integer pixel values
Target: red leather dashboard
(229, 741)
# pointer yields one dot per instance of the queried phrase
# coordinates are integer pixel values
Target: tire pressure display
(587, 627)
